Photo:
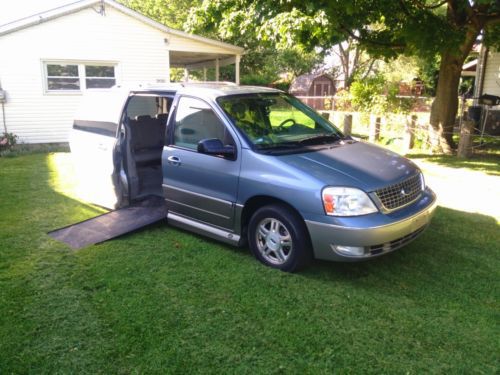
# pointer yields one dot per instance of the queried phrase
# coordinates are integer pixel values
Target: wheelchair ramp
(112, 224)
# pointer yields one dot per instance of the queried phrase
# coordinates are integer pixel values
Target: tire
(278, 238)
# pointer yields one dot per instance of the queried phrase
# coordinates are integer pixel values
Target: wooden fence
(331, 103)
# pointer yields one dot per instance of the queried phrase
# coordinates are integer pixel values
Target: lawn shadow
(487, 163)
(457, 248)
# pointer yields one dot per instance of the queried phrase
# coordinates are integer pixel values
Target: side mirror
(214, 146)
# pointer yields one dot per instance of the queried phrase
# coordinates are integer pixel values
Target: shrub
(7, 141)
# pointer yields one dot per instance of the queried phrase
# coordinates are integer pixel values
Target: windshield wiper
(320, 139)
(277, 146)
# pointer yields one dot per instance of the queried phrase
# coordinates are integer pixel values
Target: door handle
(174, 160)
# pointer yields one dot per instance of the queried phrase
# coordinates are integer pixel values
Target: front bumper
(381, 235)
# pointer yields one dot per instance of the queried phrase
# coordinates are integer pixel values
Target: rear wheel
(278, 238)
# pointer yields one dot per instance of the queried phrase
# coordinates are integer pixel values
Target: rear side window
(195, 120)
(149, 105)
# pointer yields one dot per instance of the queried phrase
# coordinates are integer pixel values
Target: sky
(11, 10)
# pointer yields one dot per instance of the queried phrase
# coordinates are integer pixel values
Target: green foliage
(367, 95)
(256, 80)
(376, 95)
(429, 72)
(343, 101)
(492, 35)
(246, 25)
(385, 28)
(172, 13)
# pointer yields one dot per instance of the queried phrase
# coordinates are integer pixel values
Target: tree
(386, 29)
(354, 62)
(242, 24)
(172, 13)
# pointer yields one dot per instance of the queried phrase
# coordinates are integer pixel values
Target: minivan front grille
(401, 194)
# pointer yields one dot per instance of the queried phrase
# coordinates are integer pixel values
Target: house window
(99, 76)
(62, 77)
(77, 76)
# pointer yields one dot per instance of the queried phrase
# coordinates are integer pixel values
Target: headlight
(344, 201)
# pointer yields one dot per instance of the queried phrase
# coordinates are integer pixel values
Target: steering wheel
(288, 120)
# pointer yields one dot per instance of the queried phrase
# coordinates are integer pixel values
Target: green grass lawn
(165, 301)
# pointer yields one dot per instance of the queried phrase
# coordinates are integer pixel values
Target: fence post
(465, 143)
(409, 136)
(324, 114)
(374, 132)
(347, 124)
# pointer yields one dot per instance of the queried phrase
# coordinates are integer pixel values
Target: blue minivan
(249, 166)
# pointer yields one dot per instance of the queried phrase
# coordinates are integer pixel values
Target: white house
(48, 59)
(488, 72)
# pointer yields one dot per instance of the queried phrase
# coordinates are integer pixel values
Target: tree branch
(491, 19)
(434, 6)
(344, 58)
(353, 35)
(369, 69)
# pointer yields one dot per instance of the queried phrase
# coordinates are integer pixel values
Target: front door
(199, 186)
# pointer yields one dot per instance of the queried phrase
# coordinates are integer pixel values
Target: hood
(357, 164)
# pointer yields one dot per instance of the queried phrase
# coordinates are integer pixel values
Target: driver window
(195, 120)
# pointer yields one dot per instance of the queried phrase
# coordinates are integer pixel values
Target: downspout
(480, 70)
(3, 112)
(3, 117)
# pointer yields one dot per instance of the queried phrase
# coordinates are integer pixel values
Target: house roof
(303, 82)
(83, 4)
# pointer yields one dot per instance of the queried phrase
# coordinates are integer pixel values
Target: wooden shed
(313, 88)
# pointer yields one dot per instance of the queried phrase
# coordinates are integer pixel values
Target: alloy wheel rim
(274, 241)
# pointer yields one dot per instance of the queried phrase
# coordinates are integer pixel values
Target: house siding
(138, 50)
(491, 83)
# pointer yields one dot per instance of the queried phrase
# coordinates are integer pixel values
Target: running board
(112, 224)
(182, 222)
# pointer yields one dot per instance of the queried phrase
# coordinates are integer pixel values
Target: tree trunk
(445, 105)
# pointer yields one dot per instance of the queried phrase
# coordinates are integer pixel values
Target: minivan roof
(206, 89)
(107, 104)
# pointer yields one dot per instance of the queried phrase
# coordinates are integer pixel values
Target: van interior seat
(162, 117)
(147, 139)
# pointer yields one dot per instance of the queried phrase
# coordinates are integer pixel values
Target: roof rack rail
(146, 85)
(218, 83)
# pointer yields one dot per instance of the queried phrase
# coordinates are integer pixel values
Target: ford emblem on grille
(404, 193)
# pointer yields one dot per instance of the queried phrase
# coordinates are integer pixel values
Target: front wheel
(278, 238)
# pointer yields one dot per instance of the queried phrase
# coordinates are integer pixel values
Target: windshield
(278, 120)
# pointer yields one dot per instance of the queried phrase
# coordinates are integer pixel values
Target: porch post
(205, 74)
(186, 74)
(217, 69)
(168, 66)
(237, 69)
